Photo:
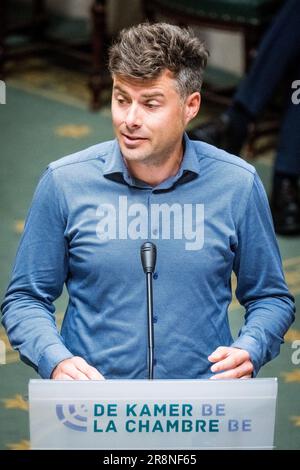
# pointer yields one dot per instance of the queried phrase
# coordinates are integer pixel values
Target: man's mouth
(132, 139)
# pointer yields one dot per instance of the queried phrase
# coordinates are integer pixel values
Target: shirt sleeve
(261, 287)
(39, 273)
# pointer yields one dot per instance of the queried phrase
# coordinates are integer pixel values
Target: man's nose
(133, 117)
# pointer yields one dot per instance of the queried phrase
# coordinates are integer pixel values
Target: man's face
(149, 117)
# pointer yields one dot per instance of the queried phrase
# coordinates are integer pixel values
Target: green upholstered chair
(250, 17)
(26, 29)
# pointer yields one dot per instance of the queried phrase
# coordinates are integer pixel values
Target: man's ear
(192, 106)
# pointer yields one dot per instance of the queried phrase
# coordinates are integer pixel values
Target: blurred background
(55, 100)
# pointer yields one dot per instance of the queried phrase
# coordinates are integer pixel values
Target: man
(205, 210)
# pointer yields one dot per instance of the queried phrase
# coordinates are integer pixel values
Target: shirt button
(155, 276)
(154, 319)
(155, 231)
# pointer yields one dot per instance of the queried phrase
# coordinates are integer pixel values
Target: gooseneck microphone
(148, 258)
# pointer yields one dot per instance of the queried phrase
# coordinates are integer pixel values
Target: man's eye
(152, 105)
(120, 100)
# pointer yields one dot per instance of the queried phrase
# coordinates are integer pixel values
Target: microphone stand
(150, 324)
(148, 257)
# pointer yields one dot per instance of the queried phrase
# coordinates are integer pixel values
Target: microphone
(148, 258)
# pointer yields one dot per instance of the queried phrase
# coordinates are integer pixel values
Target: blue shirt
(85, 227)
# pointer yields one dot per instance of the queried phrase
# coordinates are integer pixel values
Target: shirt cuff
(251, 346)
(53, 355)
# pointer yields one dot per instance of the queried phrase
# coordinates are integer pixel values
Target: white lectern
(158, 414)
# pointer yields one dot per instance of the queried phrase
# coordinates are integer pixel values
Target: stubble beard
(150, 159)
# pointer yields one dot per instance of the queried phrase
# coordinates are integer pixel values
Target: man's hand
(75, 368)
(233, 363)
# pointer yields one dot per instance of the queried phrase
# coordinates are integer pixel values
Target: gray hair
(146, 50)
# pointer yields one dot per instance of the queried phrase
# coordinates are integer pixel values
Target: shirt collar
(190, 161)
(116, 169)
